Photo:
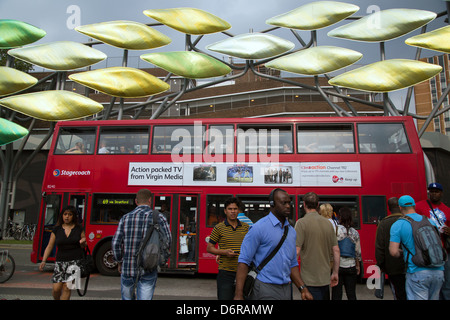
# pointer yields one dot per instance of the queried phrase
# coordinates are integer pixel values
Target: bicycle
(7, 266)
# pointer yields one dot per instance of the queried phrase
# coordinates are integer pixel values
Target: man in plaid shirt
(125, 243)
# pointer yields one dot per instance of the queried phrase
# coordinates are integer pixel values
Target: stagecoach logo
(70, 173)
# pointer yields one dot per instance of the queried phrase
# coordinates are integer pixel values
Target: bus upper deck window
(221, 139)
(178, 139)
(123, 140)
(383, 138)
(273, 139)
(325, 139)
(75, 140)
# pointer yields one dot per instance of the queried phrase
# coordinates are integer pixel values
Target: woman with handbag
(70, 240)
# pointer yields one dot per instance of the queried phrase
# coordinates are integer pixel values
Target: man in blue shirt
(242, 217)
(274, 280)
(421, 283)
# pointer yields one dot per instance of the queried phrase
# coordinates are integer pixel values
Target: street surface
(28, 283)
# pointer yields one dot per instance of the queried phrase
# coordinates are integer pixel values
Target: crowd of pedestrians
(398, 248)
(326, 244)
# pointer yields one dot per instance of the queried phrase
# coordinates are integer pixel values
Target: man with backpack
(418, 239)
(437, 211)
(126, 242)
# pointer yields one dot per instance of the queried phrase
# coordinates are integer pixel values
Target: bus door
(187, 232)
(51, 207)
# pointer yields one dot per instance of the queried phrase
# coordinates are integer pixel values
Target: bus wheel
(104, 261)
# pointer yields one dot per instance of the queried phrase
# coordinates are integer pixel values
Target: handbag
(86, 265)
(253, 272)
(446, 238)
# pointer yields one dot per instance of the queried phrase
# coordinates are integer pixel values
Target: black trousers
(226, 284)
(347, 279)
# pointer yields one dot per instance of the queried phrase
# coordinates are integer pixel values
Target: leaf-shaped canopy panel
(314, 15)
(12, 81)
(126, 34)
(123, 82)
(384, 25)
(438, 40)
(188, 64)
(10, 132)
(316, 60)
(53, 105)
(14, 33)
(387, 75)
(60, 55)
(189, 20)
(252, 46)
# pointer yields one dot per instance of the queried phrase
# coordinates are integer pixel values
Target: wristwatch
(300, 288)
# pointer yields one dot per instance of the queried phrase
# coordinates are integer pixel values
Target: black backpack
(154, 250)
(427, 242)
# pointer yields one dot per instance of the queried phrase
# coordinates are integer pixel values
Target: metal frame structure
(9, 157)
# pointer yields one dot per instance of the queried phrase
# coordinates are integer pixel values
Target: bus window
(178, 139)
(338, 202)
(215, 205)
(79, 202)
(164, 204)
(123, 140)
(52, 209)
(75, 141)
(382, 138)
(257, 207)
(374, 208)
(325, 138)
(221, 139)
(264, 139)
(109, 208)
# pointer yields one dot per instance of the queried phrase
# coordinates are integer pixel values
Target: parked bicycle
(26, 232)
(7, 266)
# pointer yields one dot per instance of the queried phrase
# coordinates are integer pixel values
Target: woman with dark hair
(70, 240)
(350, 248)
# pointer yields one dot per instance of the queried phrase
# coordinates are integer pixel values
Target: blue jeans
(144, 289)
(445, 291)
(424, 285)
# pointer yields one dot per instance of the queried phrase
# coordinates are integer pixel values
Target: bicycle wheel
(18, 235)
(7, 266)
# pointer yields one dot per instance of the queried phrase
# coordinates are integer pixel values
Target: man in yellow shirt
(228, 235)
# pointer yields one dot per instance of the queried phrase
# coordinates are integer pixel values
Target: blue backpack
(347, 248)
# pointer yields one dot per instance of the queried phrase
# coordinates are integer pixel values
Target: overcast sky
(58, 17)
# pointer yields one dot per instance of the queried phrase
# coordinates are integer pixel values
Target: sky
(59, 17)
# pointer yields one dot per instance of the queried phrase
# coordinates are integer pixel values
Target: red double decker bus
(193, 165)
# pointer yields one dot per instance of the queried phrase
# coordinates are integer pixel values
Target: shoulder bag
(251, 276)
(86, 265)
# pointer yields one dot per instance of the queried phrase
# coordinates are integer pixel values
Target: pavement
(28, 283)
